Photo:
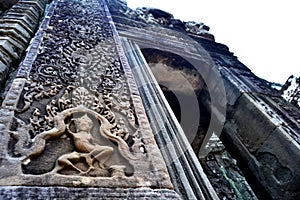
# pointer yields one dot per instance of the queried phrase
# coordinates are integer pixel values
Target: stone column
(73, 117)
(186, 173)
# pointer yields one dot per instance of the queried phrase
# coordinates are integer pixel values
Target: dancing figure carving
(85, 147)
(88, 152)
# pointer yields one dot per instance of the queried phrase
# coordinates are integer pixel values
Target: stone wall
(82, 109)
(17, 26)
(73, 116)
(260, 128)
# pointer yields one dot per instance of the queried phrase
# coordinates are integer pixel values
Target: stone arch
(184, 88)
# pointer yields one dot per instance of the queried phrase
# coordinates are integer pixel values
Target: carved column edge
(178, 154)
(35, 44)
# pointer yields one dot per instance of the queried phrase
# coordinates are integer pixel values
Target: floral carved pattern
(77, 92)
(73, 116)
(59, 119)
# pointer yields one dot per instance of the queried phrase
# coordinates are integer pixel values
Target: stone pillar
(73, 117)
(186, 173)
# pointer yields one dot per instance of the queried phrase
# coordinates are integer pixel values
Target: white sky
(264, 35)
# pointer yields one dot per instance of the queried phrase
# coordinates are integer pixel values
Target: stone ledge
(20, 29)
(28, 9)
(14, 34)
(28, 27)
(24, 25)
(39, 5)
(19, 16)
(12, 192)
(5, 58)
(17, 26)
(11, 47)
(21, 11)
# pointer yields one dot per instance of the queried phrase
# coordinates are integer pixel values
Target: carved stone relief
(68, 117)
(77, 121)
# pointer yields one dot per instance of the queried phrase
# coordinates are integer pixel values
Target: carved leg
(65, 160)
(89, 160)
(102, 155)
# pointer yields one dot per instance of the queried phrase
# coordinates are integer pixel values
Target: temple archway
(185, 90)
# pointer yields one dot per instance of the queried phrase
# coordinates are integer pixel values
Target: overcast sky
(264, 35)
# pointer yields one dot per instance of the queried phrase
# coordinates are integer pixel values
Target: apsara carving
(71, 116)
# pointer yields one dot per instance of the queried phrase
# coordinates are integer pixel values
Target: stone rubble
(159, 17)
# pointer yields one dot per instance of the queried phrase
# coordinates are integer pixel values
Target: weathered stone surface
(279, 159)
(51, 102)
(85, 193)
(20, 29)
(17, 26)
(6, 23)
(11, 47)
(77, 117)
(29, 27)
(19, 10)
(34, 12)
(286, 112)
(14, 34)
(21, 17)
(157, 13)
(38, 5)
(224, 174)
(250, 121)
(266, 145)
(3, 71)
(253, 133)
(5, 58)
(13, 95)
(159, 17)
